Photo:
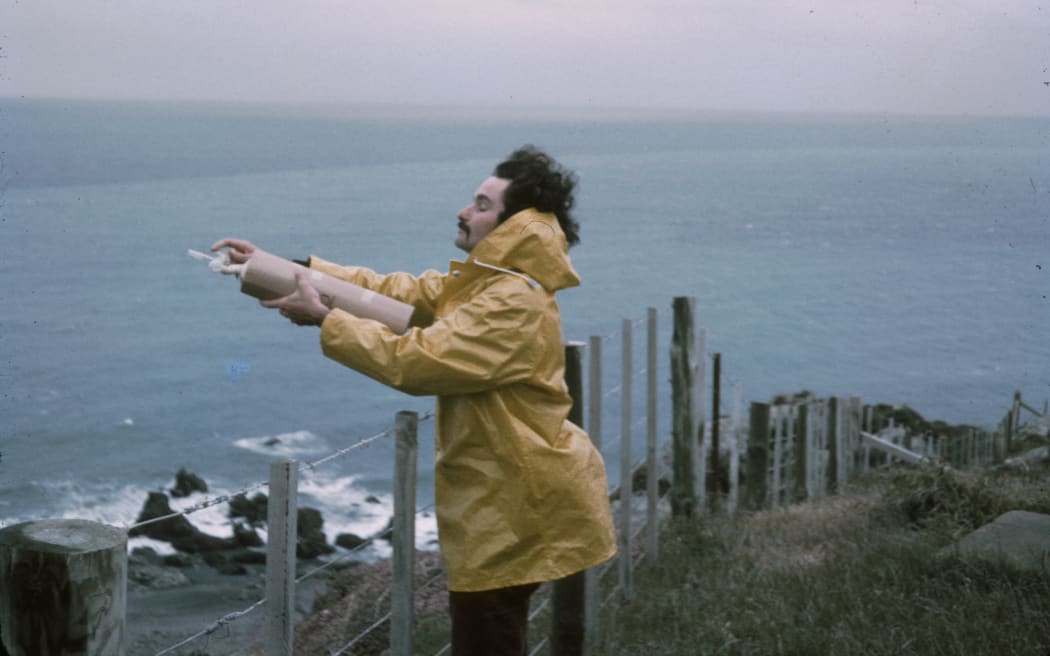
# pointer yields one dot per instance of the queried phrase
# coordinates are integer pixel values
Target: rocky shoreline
(208, 582)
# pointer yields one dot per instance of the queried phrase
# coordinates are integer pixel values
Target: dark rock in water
(186, 483)
(349, 541)
(215, 559)
(232, 569)
(253, 510)
(178, 560)
(177, 530)
(388, 532)
(249, 557)
(156, 577)
(273, 441)
(371, 499)
(157, 505)
(245, 536)
(311, 541)
(144, 556)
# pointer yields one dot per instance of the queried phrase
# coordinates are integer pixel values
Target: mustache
(463, 226)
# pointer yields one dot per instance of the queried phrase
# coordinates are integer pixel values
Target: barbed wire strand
(615, 591)
(359, 444)
(214, 626)
(207, 503)
(361, 636)
(639, 559)
(434, 579)
(381, 534)
(540, 607)
(366, 542)
(542, 643)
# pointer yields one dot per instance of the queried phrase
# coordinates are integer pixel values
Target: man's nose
(464, 213)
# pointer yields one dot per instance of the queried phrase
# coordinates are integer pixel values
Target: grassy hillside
(851, 574)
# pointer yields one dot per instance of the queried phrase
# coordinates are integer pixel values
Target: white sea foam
(349, 508)
(346, 507)
(295, 444)
(161, 548)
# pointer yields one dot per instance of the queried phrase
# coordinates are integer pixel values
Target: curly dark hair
(537, 181)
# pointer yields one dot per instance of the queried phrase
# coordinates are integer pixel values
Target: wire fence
(308, 467)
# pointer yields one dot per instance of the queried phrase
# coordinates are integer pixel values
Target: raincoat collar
(530, 242)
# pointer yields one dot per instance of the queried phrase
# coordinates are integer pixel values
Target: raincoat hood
(532, 243)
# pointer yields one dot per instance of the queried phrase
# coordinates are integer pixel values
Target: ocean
(900, 259)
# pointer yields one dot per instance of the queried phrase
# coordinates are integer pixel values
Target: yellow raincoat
(520, 491)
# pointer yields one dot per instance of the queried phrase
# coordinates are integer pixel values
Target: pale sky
(899, 56)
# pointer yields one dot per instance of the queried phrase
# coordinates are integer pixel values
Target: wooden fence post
(836, 462)
(592, 604)
(803, 453)
(63, 588)
(714, 486)
(281, 529)
(402, 615)
(778, 437)
(734, 448)
(853, 419)
(626, 492)
(865, 425)
(1015, 420)
(683, 427)
(758, 457)
(819, 465)
(652, 476)
(700, 420)
(568, 606)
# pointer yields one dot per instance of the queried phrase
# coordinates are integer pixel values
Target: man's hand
(302, 307)
(239, 249)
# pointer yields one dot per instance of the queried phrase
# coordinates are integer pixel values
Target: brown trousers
(490, 622)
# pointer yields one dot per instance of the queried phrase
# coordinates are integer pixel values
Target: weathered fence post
(854, 417)
(651, 478)
(734, 448)
(592, 605)
(818, 449)
(281, 522)
(625, 537)
(700, 419)
(800, 490)
(715, 485)
(402, 615)
(758, 457)
(865, 425)
(63, 587)
(1014, 422)
(568, 606)
(836, 450)
(685, 458)
(778, 435)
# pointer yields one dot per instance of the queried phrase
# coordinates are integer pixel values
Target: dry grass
(854, 574)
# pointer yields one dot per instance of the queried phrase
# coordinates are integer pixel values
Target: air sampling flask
(266, 276)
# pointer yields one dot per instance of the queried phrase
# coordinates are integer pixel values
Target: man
(520, 492)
